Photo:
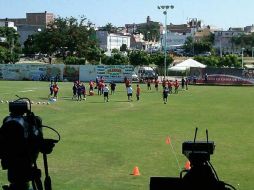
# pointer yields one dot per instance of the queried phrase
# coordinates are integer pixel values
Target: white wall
(71, 72)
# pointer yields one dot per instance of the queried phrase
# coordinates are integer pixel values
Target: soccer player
(105, 93)
(170, 84)
(79, 92)
(91, 84)
(83, 91)
(138, 92)
(183, 83)
(176, 84)
(50, 89)
(129, 93)
(74, 90)
(112, 87)
(156, 84)
(55, 89)
(165, 95)
(149, 84)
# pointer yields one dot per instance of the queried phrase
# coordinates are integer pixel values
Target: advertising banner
(222, 76)
(115, 73)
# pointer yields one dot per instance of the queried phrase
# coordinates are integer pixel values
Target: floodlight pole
(165, 12)
(242, 56)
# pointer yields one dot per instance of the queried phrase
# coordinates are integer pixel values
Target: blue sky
(219, 13)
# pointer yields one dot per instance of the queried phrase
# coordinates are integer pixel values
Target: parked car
(134, 77)
(145, 73)
(205, 54)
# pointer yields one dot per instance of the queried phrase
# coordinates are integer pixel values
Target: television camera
(201, 176)
(21, 141)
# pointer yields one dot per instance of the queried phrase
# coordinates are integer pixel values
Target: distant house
(177, 34)
(223, 41)
(111, 41)
(34, 22)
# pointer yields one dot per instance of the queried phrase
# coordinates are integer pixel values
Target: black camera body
(199, 151)
(21, 141)
(201, 176)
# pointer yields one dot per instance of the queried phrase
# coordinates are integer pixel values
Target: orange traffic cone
(168, 140)
(187, 165)
(136, 171)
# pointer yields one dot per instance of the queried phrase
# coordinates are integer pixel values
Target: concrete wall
(63, 72)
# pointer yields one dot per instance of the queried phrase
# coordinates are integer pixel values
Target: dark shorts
(105, 94)
(130, 94)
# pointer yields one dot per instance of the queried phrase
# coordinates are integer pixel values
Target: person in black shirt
(112, 87)
(165, 95)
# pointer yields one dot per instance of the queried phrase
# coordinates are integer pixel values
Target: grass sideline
(102, 142)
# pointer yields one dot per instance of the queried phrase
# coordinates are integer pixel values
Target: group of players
(80, 92)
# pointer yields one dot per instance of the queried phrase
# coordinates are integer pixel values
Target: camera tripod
(19, 177)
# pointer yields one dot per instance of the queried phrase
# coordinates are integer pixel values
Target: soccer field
(101, 142)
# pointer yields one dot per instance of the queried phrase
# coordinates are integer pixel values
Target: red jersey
(138, 90)
(127, 83)
(176, 84)
(91, 83)
(55, 88)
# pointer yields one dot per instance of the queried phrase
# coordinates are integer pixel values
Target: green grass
(102, 142)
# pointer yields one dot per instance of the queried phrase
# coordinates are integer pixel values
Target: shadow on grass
(43, 98)
(122, 101)
(98, 102)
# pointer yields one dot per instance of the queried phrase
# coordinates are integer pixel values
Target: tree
(244, 40)
(115, 59)
(123, 47)
(139, 58)
(159, 59)
(3, 55)
(66, 37)
(215, 61)
(188, 45)
(10, 48)
(151, 31)
(109, 28)
(197, 47)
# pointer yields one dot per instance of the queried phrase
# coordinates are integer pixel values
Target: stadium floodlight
(165, 12)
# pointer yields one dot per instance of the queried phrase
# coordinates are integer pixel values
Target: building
(42, 19)
(223, 41)
(249, 29)
(6, 24)
(137, 42)
(174, 40)
(25, 31)
(177, 34)
(112, 41)
(133, 28)
(34, 22)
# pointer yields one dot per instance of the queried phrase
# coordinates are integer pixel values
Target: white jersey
(105, 89)
(129, 90)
